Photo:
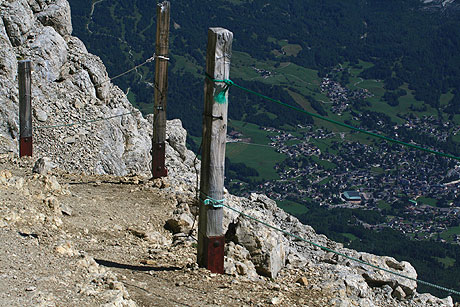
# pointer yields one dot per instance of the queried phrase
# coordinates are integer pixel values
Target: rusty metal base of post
(25, 146)
(158, 160)
(214, 254)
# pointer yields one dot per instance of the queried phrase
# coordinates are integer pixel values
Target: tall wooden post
(161, 91)
(211, 238)
(25, 108)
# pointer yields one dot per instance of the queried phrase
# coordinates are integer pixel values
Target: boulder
(48, 53)
(182, 220)
(266, 247)
(378, 278)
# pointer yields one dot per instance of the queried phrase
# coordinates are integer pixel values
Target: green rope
(209, 201)
(221, 98)
(83, 122)
(343, 255)
(229, 82)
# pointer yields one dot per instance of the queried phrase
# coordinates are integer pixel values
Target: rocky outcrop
(69, 85)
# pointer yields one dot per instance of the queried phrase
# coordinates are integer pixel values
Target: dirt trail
(51, 232)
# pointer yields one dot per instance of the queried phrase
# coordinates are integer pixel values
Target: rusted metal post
(161, 91)
(211, 238)
(25, 108)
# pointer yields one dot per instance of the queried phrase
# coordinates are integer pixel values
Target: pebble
(302, 281)
(31, 288)
(275, 301)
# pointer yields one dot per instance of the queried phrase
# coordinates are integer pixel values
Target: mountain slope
(75, 226)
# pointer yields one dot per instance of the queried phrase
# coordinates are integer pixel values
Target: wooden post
(161, 91)
(25, 108)
(211, 238)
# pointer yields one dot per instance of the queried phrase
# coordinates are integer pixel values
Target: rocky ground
(76, 240)
(86, 240)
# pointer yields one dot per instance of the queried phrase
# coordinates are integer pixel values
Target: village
(387, 178)
(341, 97)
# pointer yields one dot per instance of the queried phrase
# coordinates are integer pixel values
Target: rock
(379, 278)
(18, 20)
(426, 299)
(43, 166)
(156, 237)
(48, 53)
(70, 139)
(399, 293)
(182, 220)
(5, 176)
(57, 15)
(8, 60)
(149, 262)
(66, 210)
(31, 288)
(67, 249)
(51, 184)
(176, 138)
(40, 115)
(275, 301)
(237, 261)
(41, 31)
(53, 204)
(302, 281)
(266, 247)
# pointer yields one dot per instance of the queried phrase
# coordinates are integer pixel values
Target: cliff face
(68, 85)
(71, 85)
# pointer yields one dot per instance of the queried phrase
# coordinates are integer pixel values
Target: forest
(400, 38)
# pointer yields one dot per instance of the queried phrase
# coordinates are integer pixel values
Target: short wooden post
(25, 108)
(161, 91)
(211, 238)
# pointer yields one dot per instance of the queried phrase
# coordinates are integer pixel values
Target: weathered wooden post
(161, 91)
(211, 238)
(25, 108)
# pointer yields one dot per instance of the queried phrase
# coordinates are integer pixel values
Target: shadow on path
(142, 268)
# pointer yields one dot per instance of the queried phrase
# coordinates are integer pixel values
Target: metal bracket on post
(158, 154)
(214, 258)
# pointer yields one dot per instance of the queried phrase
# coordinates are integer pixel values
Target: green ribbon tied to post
(221, 97)
(209, 201)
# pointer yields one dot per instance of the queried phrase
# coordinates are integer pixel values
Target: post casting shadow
(142, 268)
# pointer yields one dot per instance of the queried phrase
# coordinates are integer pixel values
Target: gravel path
(76, 240)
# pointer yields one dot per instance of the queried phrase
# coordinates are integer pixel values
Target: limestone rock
(378, 277)
(43, 165)
(182, 220)
(302, 281)
(40, 115)
(427, 299)
(237, 261)
(67, 249)
(18, 20)
(399, 293)
(8, 62)
(48, 52)
(176, 137)
(57, 15)
(267, 247)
